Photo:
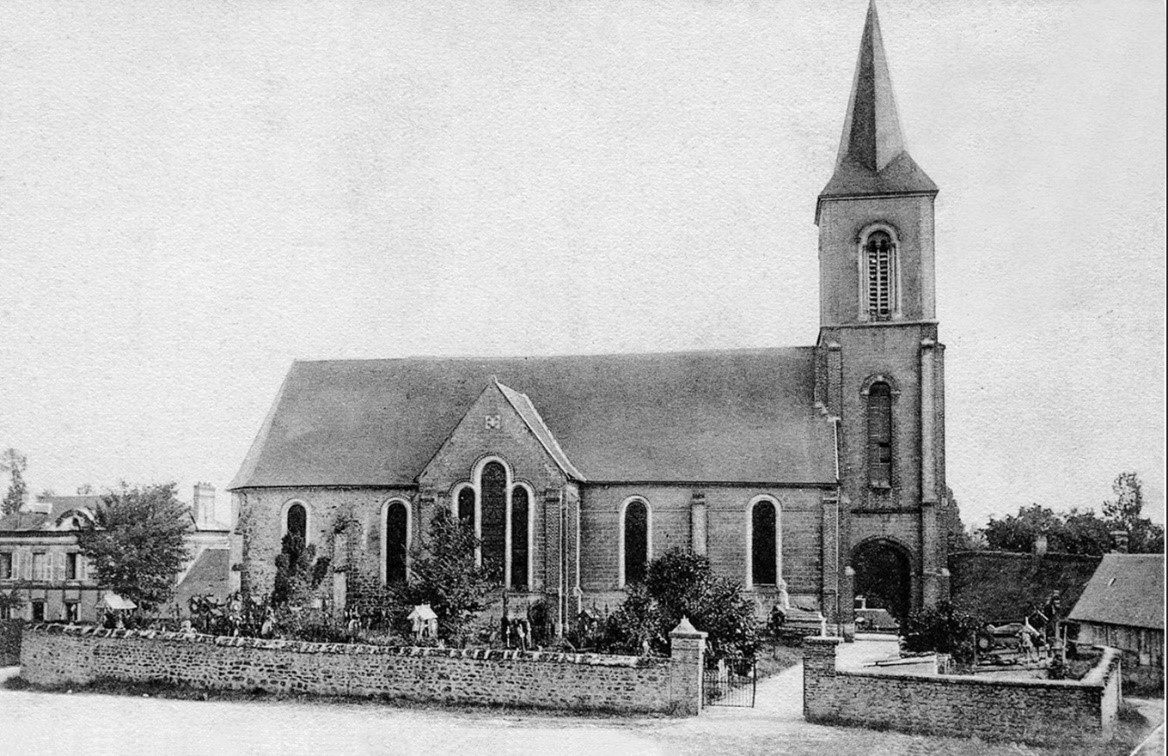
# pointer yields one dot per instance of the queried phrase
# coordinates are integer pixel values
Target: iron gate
(731, 683)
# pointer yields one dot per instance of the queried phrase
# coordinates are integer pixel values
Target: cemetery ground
(94, 723)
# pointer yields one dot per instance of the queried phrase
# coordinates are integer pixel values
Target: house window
(520, 547)
(72, 560)
(296, 521)
(40, 566)
(5, 565)
(397, 539)
(634, 541)
(38, 611)
(493, 484)
(72, 611)
(764, 543)
(5, 612)
(880, 435)
(880, 275)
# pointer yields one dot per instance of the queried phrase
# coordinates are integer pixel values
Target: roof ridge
(557, 356)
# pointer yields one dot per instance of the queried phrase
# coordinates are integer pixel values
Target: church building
(815, 469)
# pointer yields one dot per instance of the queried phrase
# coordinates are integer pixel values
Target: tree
(1018, 532)
(448, 578)
(942, 628)
(14, 463)
(1123, 513)
(137, 542)
(298, 572)
(682, 584)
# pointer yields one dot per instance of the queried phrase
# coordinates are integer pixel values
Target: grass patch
(773, 660)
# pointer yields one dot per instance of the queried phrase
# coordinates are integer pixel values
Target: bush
(943, 629)
(681, 584)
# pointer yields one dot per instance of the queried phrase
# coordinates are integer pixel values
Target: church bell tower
(880, 362)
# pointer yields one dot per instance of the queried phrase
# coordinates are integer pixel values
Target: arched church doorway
(883, 576)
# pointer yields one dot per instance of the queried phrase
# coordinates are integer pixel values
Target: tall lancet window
(493, 483)
(520, 548)
(880, 435)
(880, 275)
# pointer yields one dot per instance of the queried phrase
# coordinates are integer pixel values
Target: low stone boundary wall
(10, 632)
(1035, 711)
(57, 655)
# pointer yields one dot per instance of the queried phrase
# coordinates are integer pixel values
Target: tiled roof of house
(43, 520)
(734, 416)
(1126, 589)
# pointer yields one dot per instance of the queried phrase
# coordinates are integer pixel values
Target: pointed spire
(872, 135)
(872, 157)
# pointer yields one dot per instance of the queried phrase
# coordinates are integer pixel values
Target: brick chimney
(203, 504)
(1119, 539)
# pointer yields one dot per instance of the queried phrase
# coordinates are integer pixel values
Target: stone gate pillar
(687, 651)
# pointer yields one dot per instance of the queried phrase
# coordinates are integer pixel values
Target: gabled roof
(872, 156)
(527, 411)
(1126, 589)
(735, 416)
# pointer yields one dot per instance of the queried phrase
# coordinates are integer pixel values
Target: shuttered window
(880, 435)
(880, 258)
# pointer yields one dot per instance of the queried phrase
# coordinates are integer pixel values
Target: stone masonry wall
(1038, 711)
(55, 655)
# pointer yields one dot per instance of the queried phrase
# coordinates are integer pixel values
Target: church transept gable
(501, 423)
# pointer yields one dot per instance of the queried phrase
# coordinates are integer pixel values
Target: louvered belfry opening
(879, 254)
(762, 544)
(636, 541)
(494, 513)
(519, 544)
(880, 435)
(396, 524)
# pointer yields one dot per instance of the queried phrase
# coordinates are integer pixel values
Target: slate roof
(42, 520)
(872, 156)
(522, 404)
(1126, 589)
(718, 416)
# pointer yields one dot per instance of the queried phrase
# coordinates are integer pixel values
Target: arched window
(880, 435)
(493, 485)
(764, 543)
(396, 542)
(296, 521)
(520, 545)
(634, 541)
(466, 506)
(880, 275)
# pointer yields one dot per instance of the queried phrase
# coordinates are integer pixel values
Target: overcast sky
(192, 195)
